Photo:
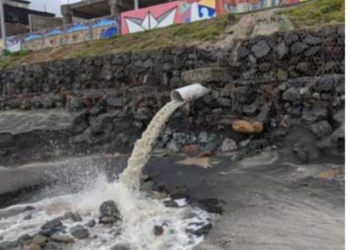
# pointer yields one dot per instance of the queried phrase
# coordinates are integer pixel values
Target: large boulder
(207, 75)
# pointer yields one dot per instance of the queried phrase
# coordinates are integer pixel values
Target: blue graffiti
(112, 31)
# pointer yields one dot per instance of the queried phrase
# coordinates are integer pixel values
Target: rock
(191, 149)
(261, 49)
(28, 217)
(74, 104)
(40, 240)
(79, 232)
(147, 187)
(7, 245)
(224, 102)
(247, 127)
(115, 102)
(251, 109)
(303, 67)
(341, 30)
(158, 230)
(204, 230)
(242, 52)
(144, 114)
(339, 118)
(282, 74)
(107, 220)
(312, 51)
(62, 238)
(51, 227)
(120, 247)
(34, 246)
(148, 63)
(298, 47)
(55, 246)
(290, 37)
(305, 92)
(305, 151)
(109, 209)
(282, 50)
(312, 40)
(170, 203)
(264, 67)
(73, 216)
(321, 129)
(91, 223)
(228, 145)
(314, 114)
(292, 95)
(23, 240)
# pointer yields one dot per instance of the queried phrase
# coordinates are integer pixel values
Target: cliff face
(288, 77)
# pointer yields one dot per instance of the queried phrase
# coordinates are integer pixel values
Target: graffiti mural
(154, 17)
(14, 43)
(54, 37)
(197, 10)
(105, 27)
(32, 41)
(241, 6)
(77, 33)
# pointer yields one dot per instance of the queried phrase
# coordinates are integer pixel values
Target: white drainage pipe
(189, 93)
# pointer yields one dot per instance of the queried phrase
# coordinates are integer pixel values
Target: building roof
(21, 1)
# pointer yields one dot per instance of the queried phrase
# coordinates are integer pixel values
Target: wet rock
(120, 247)
(62, 238)
(28, 217)
(173, 146)
(158, 230)
(321, 129)
(91, 223)
(7, 245)
(298, 47)
(40, 240)
(51, 227)
(147, 186)
(55, 246)
(228, 145)
(79, 232)
(24, 239)
(261, 49)
(203, 230)
(247, 127)
(292, 95)
(109, 213)
(73, 216)
(170, 203)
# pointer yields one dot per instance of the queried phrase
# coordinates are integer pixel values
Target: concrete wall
(157, 16)
(37, 23)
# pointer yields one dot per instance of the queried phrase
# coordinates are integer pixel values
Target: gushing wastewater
(139, 213)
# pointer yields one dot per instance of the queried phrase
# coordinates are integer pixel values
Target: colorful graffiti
(197, 10)
(54, 37)
(77, 33)
(13, 43)
(32, 41)
(241, 6)
(105, 27)
(154, 17)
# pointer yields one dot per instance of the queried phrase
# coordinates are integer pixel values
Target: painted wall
(154, 17)
(158, 16)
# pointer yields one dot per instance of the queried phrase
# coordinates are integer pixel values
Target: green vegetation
(317, 13)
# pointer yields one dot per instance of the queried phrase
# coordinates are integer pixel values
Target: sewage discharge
(132, 174)
(139, 213)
